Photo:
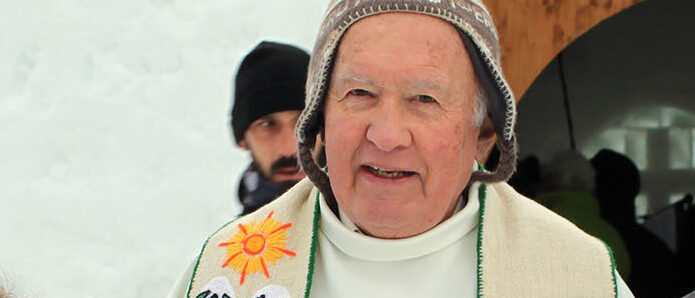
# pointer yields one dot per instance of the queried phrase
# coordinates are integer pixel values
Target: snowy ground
(115, 156)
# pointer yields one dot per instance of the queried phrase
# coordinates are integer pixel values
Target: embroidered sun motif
(257, 246)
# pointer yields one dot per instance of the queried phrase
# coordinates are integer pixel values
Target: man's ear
(486, 138)
(320, 149)
(322, 135)
(242, 144)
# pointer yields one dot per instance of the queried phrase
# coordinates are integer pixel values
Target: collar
(343, 235)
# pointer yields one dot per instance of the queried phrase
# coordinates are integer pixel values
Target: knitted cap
(270, 79)
(479, 36)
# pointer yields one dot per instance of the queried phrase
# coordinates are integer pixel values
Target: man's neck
(460, 203)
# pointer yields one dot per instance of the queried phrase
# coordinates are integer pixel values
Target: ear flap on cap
(498, 108)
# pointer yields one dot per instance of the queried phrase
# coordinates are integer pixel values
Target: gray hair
(480, 106)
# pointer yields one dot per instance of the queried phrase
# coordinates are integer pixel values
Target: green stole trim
(314, 241)
(197, 261)
(317, 212)
(482, 191)
(615, 272)
(482, 194)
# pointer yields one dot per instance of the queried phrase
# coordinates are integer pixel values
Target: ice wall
(115, 156)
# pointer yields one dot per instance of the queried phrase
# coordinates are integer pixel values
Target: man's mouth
(386, 173)
(287, 170)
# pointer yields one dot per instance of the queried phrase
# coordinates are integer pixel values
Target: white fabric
(623, 290)
(438, 263)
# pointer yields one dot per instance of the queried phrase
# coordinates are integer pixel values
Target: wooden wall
(533, 32)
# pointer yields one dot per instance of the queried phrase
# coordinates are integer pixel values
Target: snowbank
(115, 156)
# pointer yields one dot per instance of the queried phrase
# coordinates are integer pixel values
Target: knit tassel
(312, 170)
(506, 166)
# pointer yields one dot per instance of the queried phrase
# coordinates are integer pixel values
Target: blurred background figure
(5, 289)
(685, 257)
(683, 228)
(268, 97)
(527, 180)
(617, 186)
(567, 189)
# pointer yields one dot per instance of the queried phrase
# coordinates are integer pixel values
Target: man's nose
(288, 144)
(387, 129)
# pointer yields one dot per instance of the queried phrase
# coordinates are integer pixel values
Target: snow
(116, 160)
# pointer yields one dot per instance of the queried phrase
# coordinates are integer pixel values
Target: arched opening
(631, 88)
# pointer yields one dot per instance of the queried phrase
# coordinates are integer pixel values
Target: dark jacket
(255, 190)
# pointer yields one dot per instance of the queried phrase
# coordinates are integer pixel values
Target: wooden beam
(533, 32)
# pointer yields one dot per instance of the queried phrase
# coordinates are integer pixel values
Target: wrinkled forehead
(429, 49)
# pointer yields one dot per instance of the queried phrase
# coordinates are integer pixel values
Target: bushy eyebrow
(430, 83)
(349, 76)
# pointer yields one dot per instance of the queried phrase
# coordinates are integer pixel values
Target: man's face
(271, 142)
(399, 133)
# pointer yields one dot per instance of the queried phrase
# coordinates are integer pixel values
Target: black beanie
(270, 79)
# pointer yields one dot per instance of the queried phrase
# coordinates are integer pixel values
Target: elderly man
(404, 94)
(268, 97)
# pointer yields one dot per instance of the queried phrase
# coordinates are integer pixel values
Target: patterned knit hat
(479, 36)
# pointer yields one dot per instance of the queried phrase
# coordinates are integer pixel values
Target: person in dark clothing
(617, 185)
(268, 97)
(527, 179)
(685, 257)
(567, 185)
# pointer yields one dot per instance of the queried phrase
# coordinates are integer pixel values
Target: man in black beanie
(268, 97)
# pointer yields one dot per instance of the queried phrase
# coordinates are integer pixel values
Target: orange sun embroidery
(257, 246)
